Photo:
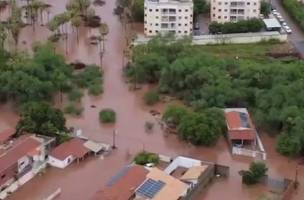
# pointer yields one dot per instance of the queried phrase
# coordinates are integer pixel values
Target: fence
(235, 38)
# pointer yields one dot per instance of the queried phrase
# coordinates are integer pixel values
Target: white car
(287, 29)
(284, 24)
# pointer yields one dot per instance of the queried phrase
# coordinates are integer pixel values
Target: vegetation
(73, 109)
(227, 76)
(137, 9)
(75, 94)
(199, 128)
(107, 115)
(265, 8)
(151, 97)
(200, 7)
(244, 26)
(257, 171)
(295, 10)
(144, 157)
(41, 118)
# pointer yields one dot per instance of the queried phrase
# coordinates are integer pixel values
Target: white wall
(60, 163)
(22, 163)
(181, 161)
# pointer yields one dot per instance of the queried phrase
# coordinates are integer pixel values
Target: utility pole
(296, 182)
(114, 139)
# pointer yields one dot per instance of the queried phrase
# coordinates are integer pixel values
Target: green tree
(137, 10)
(107, 115)
(151, 97)
(257, 171)
(200, 7)
(41, 118)
(144, 157)
(265, 8)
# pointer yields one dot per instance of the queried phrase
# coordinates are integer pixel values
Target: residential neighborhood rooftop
(73, 147)
(123, 185)
(194, 172)
(24, 145)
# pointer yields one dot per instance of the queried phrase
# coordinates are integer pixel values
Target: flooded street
(81, 181)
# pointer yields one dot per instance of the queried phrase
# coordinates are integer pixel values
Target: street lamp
(114, 139)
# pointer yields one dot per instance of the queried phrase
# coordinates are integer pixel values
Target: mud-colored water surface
(81, 181)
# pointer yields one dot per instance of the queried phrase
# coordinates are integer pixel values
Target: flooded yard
(81, 181)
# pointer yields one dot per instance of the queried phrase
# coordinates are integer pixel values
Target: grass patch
(107, 115)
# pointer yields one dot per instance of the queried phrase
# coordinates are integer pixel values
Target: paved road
(297, 36)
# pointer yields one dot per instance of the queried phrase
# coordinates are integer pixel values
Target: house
(234, 10)
(168, 16)
(122, 186)
(242, 135)
(159, 186)
(272, 24)
(20, 160)
(6, 135)
(67, 152)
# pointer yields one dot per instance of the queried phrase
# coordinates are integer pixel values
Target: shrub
(95, 89)
(244, 26)
(72, 109)
(174, 114)
(151, 97)
(257, 170)
(288, 145)
(75, 94)
(107, 116)
(145, 157)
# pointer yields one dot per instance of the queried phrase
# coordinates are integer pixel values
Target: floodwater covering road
(81, 181)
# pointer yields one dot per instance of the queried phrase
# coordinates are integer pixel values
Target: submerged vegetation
(227, 76)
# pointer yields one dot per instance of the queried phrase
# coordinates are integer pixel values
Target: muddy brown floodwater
(81, 181)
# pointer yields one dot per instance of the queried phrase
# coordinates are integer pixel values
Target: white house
(64, 154)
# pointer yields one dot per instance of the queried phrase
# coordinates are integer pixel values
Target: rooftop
(169, 188)
(194, 172)
(74, 147)
(123, 185)
(6, 134)
(22, 146)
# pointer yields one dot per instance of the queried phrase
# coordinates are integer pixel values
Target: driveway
(297, 36)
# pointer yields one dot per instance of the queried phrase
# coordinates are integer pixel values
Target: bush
(257, 170)
(174, 114)
(288, 145)
(244, 26)
(144, 157)
(75, 94)
(151, 97)
(295, 10)
(137, 10)
(107, 116)
(72, 109)
(90, 75)
(95, 89)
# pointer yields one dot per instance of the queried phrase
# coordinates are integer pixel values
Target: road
(297, 36)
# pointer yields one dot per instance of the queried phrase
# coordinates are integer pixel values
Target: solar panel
(118, 176)
(150, 188)
(244, 120)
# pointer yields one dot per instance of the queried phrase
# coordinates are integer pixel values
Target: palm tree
(15, 23)
(79, 6)
(33, 8)
(76, 22)
(103, 30)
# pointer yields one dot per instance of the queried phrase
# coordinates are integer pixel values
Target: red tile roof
(125, 187)
(72, 147)
(242, 135)
(6, 134)
(20, 148)
(233, 119)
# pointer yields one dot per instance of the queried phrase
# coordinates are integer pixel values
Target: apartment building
(168, 16)
(234, 10)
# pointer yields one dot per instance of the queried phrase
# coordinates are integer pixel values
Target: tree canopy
(212, 76)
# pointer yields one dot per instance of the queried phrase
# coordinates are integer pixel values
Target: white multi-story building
(234, 10)
(168, 16)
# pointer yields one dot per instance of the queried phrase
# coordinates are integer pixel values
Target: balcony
(237, 4)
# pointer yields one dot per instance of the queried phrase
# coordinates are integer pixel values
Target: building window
(225, 10)
(156, 31)
(226, 3)
(156, 24)
(186, 24)
(219, 17)
(254, 4)
(156, 17)
(179, 17)
(145, 29)
(145, 22)
(219, 3)
(179, 24)
(219, 10)
(185, 31)
(254, 10)
(150, 10)
(150, 31)
(145, 15)
(213, 15)
(186, 17)
(145, 8)
(186, 10)
(156, 10)
(225, 17)
(214, 8)
(179, 31)
(248, 3)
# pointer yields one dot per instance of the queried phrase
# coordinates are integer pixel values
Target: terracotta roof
(21, 147)
(124, 187)
(173, 188)
(233, 120)
(194, 172)
(6, 134)
(72, 147)
(242, 134)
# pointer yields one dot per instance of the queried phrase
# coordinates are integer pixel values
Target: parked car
(196, 26)
(284, 24)
(288, 30)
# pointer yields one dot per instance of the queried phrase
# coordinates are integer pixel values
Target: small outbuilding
(67, 152)
(272, 24)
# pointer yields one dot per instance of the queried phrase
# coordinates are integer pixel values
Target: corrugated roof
(93, 146)
(6, 134)
(74, 147)
(124, 187)
(194, 172)
(21, 147)
(173, 188)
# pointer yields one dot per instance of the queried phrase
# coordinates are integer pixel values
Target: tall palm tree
(15, 23)
(103, 30)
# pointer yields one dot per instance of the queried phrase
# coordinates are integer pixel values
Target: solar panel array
(150, 188)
